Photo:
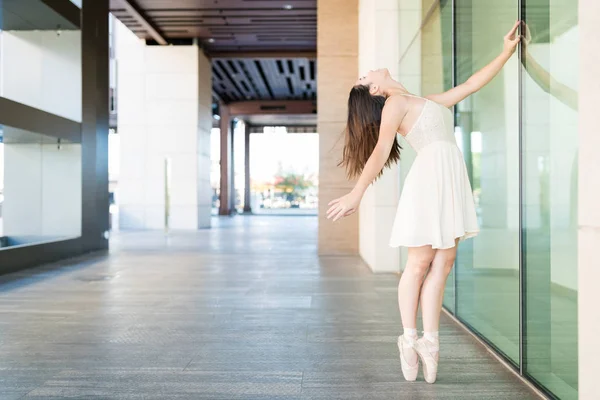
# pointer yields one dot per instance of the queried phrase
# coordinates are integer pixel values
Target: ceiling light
(211, 40)
(288, 6)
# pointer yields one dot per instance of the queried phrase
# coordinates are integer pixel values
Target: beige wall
(205, 120)
(589, 200)
(337, 50)
(389, 37)
(410, 73)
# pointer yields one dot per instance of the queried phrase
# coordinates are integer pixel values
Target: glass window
(40, 58)
(40, 188)
(487, 271)
(550, 129)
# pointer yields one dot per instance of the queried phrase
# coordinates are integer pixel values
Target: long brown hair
(362, 131)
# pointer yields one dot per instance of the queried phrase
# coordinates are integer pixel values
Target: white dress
(436, 205)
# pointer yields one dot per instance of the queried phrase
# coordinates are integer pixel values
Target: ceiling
(264, 79)
(260, 49)
(29, 15)
(230, 25)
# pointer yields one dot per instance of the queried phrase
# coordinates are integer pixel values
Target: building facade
(54, 130)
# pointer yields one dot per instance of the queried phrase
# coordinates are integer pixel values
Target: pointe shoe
(409, 371)
(425, 350)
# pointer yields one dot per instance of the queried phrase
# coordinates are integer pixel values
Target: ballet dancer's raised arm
(481, 77)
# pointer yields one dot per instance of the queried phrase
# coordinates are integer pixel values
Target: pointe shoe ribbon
(425, 349)
(409, 371)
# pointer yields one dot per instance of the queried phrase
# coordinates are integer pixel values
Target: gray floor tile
(246, 310)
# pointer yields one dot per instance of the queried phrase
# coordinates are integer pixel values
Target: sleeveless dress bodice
(434, 124)
(436, 205)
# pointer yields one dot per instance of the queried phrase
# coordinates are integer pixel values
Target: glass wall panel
(40, 188)
(487, 272)
(550, 118)
(436, 77)
(40, 58)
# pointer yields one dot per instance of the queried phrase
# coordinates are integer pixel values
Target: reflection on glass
(40, 188)
(487, 271)
(40, 58)
(550, 128)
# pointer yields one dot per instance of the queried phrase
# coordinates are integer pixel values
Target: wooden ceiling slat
(246, 27)
(260, 24)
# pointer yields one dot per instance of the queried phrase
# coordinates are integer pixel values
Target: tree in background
(292, 184)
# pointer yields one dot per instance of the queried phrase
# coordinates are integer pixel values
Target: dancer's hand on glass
(343, 206)
(511, 40)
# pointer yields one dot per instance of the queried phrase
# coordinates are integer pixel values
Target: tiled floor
(246, 310)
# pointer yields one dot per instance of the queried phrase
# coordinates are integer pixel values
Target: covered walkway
(246, 310)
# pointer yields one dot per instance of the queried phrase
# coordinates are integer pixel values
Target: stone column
(337, 52)
(379, 47)
(387, 32)
(203, 150)
(164, 119)
(226, 186)
(589, 199)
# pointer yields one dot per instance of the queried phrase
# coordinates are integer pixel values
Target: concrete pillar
(94, 124)
(337, 51)
(379, 34)
(203, 140)
(165, 116)
(589, 199)
(387, 30)
(226, 161)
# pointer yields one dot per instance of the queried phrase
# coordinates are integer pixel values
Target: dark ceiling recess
(260, 49)
(264, 79)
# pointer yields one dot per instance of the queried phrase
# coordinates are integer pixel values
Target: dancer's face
(374, 80)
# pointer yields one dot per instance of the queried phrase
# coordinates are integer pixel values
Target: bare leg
(432, 292)
(409, 288)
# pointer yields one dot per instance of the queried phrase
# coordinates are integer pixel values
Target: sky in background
(295, 152)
